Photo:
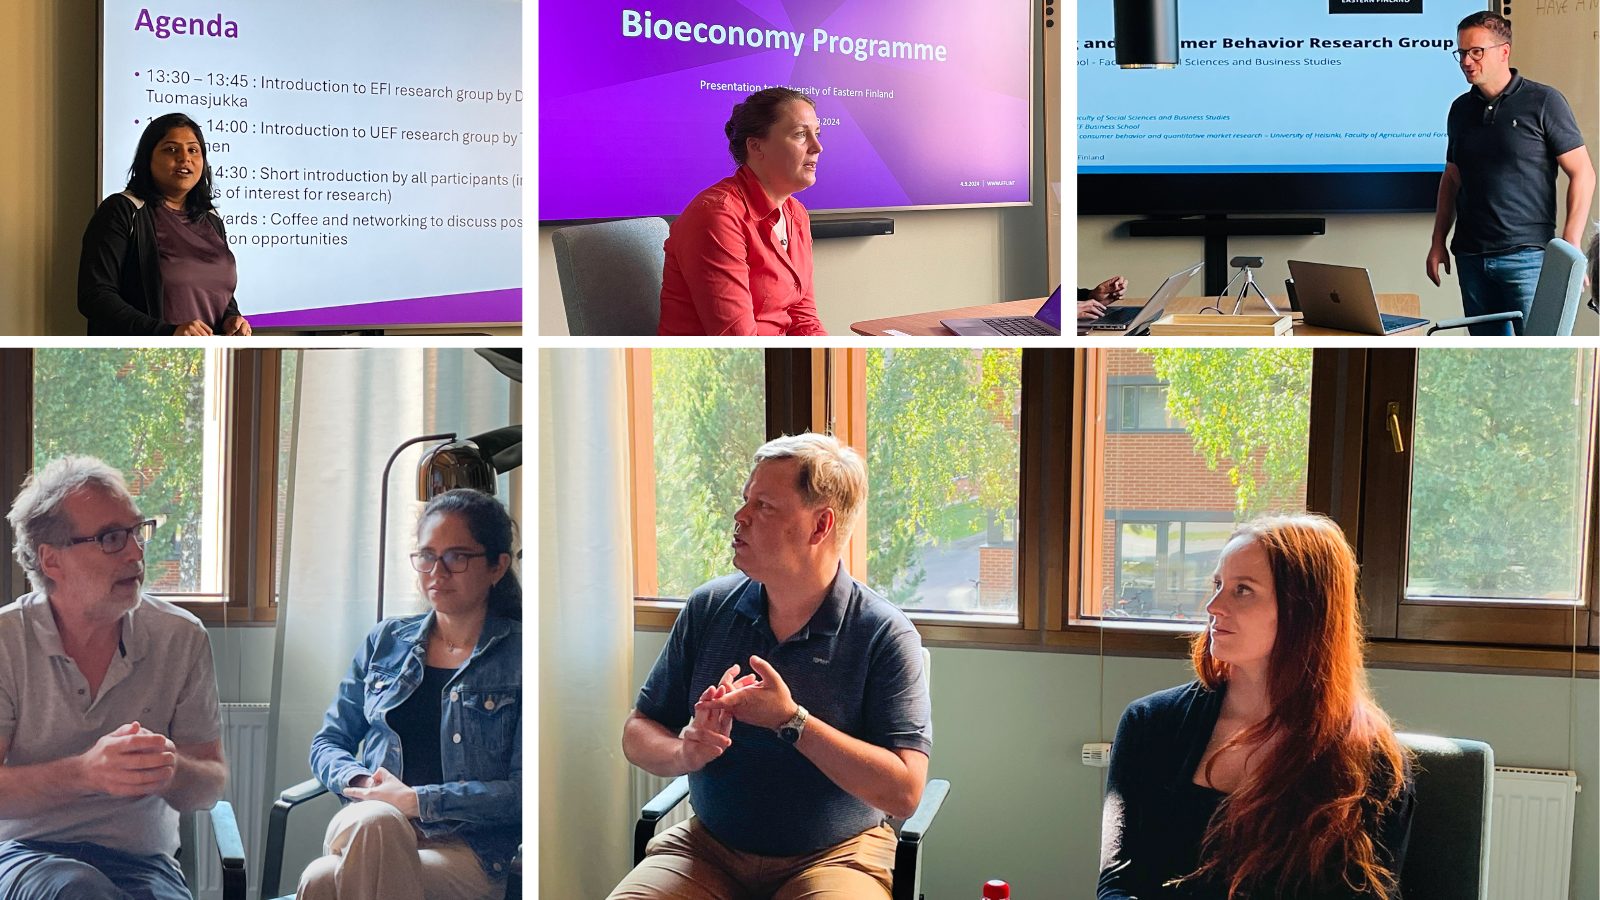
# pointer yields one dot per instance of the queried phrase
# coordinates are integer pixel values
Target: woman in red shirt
(739, 258)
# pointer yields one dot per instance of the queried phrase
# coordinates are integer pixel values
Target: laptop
(1341, 297)
(1121, 318)
(1044, 323)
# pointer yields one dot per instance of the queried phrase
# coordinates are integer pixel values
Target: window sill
(220, 612)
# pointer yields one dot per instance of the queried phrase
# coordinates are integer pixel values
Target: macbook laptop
(1341, 297)
(1044, 323)
(1121, 318)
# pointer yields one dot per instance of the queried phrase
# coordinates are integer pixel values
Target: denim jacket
(480, 737)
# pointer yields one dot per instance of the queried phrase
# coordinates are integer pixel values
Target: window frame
(249, 461)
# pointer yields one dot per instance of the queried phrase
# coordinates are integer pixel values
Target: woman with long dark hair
(424, 740)
(739, 258)
(1274, 774)
(155, 256)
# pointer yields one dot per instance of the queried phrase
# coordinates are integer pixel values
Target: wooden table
(927, 324)
(1389, 304)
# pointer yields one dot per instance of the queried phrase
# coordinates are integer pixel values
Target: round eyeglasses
(1475, 52)
(454, 561)
(116, 539)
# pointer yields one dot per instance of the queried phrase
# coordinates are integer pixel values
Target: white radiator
(1530, 834)
(646, 786)
(244, 745)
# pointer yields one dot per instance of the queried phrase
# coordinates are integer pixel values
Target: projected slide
(366, 155)
(1275, 86)
(922, 102)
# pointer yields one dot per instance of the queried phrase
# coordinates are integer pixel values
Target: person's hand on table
(1109, 291)
(1091, 309)
(192, 328)
(236, 325)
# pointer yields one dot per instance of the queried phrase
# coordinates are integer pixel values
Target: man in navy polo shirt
(1508, 135)
(794, 766)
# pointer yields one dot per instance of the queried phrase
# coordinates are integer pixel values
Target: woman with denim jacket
(432, 705)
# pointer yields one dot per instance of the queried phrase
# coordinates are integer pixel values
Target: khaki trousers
(686, 862)
(374, 853)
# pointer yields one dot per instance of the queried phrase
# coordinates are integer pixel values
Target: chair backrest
(611, 275)
(1555, 298)
(1448, 854)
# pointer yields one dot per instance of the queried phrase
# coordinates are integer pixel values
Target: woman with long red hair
(1274, 774)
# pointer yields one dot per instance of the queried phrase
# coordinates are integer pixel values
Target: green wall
(1009, 725)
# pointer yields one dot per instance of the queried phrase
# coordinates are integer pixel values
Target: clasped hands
(132, 761)
(760, 698)
(385, 786)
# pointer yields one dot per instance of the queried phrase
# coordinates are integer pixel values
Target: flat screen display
(366, 156)
(922, 102)
(1355, 92)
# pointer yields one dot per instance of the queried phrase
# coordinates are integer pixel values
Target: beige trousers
(374, 853)
(686, 863)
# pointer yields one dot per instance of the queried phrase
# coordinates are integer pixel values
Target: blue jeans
(47, 870)
(1503, 283)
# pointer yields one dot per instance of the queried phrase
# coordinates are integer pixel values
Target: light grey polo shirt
(161, 677)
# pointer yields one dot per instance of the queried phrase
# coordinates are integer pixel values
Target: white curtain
(585, 623)
(353, 407)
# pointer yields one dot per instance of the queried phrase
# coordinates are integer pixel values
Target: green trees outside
(943, 454)
(1248, 410)
(710, 416)
(1497, 484)
(142, 412)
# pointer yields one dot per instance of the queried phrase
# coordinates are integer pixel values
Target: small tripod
(1244, 264)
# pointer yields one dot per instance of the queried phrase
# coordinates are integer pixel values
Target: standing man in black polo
(1508, 135)
(792, 767)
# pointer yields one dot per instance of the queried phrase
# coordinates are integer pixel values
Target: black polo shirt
(857, 665)
(1506, 149)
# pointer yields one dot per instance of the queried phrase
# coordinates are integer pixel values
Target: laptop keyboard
(1395, 323)
(1019, 325)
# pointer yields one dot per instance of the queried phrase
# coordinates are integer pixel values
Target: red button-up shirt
(726, 275)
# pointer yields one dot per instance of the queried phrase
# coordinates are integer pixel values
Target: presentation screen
(922, 102)
(366, 155)
(1268, 87)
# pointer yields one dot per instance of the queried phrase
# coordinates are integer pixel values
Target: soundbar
(839, 228)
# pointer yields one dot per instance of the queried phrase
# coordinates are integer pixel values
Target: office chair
(1555, 297)
(278, 826)
(908, 849)
(1448, 855)
(611, 275)
(230, 848)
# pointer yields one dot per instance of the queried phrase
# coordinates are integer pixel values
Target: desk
(927, 324)
(1390, 304)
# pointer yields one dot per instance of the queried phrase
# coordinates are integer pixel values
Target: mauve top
(198, 274)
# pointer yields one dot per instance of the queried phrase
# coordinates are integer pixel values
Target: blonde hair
(831, 474)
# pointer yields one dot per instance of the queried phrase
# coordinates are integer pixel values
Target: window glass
(157, 416)
(709, 417)
(1500, 475)
(1196, 440)
(288, 371)
(943, 461)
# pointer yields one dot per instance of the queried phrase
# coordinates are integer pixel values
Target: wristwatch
(791, 730)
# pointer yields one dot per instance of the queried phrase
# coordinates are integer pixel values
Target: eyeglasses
(1475, 52)
(454, 561)
(116, 539)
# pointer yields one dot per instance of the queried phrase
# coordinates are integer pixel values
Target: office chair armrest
(300, 793)
(654, 811)
(1445, 324)
(225, 829)
(933, 795)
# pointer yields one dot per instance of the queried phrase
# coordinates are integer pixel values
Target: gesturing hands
(711, 730)
(132, 761)
(765, 703)
(385, 786)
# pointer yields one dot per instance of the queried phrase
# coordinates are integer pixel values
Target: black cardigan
(1156, 815)
(120, 292)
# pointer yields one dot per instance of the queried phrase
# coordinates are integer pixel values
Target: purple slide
(922, 102)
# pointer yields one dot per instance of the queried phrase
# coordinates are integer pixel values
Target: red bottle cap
(996, 890)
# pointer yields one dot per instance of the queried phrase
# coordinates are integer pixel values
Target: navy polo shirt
(1506, 149)
(856, 665)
